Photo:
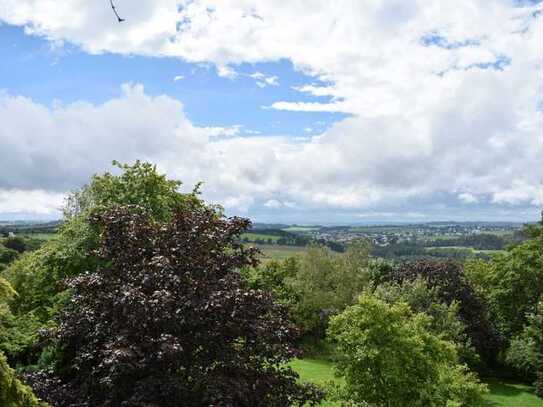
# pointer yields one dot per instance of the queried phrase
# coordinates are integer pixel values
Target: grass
(511, 394)
(41, 236)
(278, 252)
(501, 394)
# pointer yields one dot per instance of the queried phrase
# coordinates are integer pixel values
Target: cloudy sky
(315, 111)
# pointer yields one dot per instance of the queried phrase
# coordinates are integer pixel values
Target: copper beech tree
(170, 322)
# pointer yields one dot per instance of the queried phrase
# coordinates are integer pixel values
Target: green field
(259, 236)
(301, 228)
(41, 236)
(501, 394)
(278, 252)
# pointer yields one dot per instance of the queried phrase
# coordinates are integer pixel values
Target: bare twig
(115, 11)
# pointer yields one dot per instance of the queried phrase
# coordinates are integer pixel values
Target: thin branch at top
(115, 11)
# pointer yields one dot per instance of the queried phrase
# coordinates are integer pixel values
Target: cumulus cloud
(443, 100)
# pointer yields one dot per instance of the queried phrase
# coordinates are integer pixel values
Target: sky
(309, 111)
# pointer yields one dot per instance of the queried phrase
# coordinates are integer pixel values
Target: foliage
(391, 358)
(526, 350)
(274, 276)
(36, 276)
(444, 317)
(15, 243)
(169, 318)
(138, 184)
(7, 255)
(12, 392)
(482, 241)
(14, 333)
(512, 283)
(452, 285)
(326, 283)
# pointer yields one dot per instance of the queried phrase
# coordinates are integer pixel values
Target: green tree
(445, 321)
(390, 357)
(526, 350)
(12, 392)
(512, 283)
(325, 283)
(37, 275)
(7, 255)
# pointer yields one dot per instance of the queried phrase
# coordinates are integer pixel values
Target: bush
(389, 357)
(526, 350)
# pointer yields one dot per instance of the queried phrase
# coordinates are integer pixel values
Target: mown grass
(501, 394)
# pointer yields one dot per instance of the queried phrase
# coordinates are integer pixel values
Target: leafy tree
(168, 318)
(7, 255)
(274, 276)
(452, 285)
(512, 282)
(444, 317)
(12, 392)
(389, 357)
(526, 350)
(15, 243)
(325, 283)
(36, 275)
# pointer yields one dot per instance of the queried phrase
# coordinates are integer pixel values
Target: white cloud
(263, 80)
(451, 119)
(178, 78)
(468, 198)
(309, 106)
(223, 131)
(225, 71)
(34, 201)
(273, 204)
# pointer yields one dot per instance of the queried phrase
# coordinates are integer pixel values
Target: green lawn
(501, 394)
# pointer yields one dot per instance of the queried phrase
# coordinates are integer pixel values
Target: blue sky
(35, 68)
(328, 112)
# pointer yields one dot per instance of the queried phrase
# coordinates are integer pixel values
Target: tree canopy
(168, 318)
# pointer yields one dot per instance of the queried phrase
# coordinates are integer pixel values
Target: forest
(149, 296)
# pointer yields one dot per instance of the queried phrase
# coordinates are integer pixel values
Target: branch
(119, 19)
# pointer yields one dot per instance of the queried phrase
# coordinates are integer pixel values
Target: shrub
(389, 357)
